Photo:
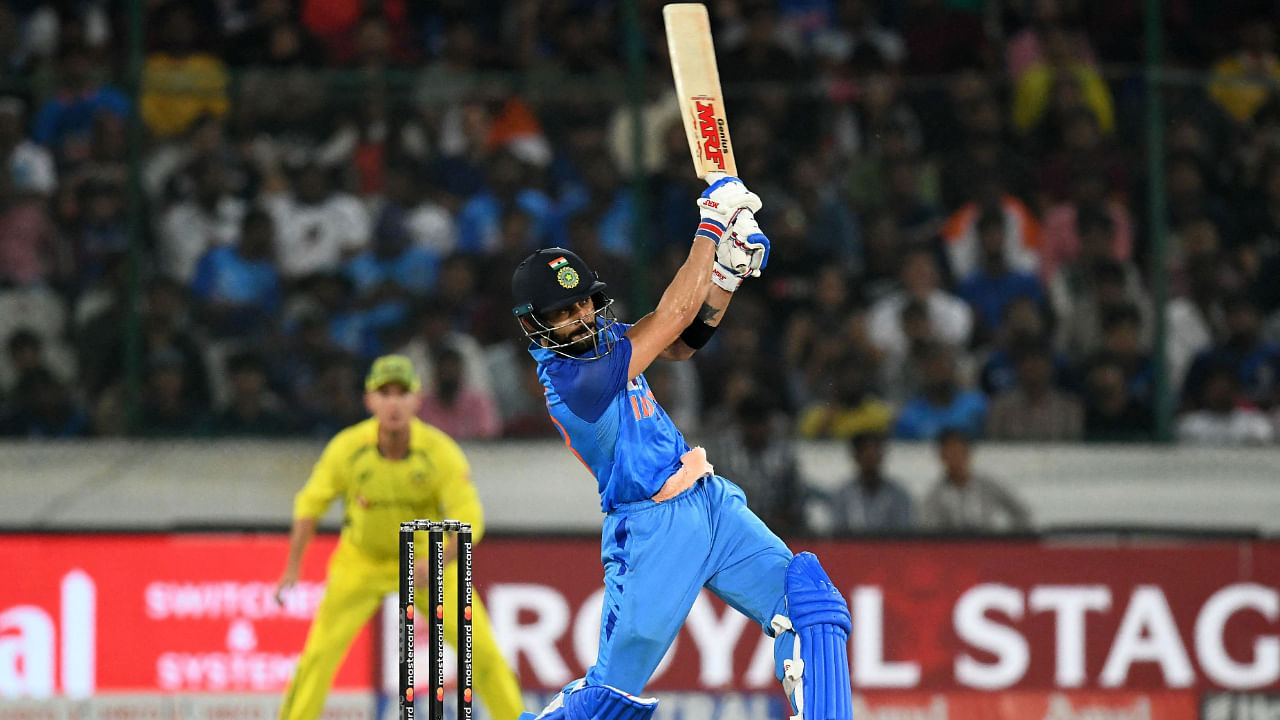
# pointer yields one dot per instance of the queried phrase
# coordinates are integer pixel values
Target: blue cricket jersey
(612, 424)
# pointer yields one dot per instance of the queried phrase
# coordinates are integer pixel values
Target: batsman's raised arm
(657, 331)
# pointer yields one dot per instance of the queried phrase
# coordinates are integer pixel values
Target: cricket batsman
(672, 526)
(387, 469)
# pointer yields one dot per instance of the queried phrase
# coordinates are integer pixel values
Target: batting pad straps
(579, 701)
(811, 598)
(601, 702)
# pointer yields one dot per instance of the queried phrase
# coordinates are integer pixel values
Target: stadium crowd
(955, 190)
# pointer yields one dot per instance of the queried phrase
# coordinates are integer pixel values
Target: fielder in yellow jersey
(387, 469)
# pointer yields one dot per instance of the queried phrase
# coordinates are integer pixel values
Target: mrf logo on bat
(711, 129)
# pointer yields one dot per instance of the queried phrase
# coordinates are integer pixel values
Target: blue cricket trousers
(658, 556)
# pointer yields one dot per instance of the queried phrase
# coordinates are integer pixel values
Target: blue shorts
(658, 556)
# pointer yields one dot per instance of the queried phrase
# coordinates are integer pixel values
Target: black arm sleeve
(697, 334)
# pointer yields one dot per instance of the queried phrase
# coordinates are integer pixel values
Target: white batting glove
(718, 203)
(742, 252)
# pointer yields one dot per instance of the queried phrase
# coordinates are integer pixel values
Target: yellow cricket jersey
(1242, 84)
(177, 91)
(432, 481)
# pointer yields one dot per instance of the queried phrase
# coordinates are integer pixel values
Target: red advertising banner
(1101, 623)
(943, 615)
(1022, 704)
(691, 705)
(157, 612)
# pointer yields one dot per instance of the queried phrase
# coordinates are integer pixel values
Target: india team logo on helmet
(565, 274)
(554, 279)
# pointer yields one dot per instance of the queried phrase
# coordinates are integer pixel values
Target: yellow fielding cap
(392, 369)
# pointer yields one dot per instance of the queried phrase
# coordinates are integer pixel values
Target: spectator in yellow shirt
(1244, 81)
(180, 83)
(387, 469)
(850, 408)
(1061, 82)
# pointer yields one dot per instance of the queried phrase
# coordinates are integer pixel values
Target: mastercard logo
(440, 694)
(466, 695)
(466, 612)
(408, 612)
(439, 612)
(408, 695)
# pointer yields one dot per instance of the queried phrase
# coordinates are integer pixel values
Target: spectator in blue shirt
(1024, 320)
(43, 408)
(394, 268)
(480, 219)
(238, 286)
(603, 197)
(1122, 341)
(100, 232)
(64, 123)
(1256, 361)
(994, 285)
(941, 403)
(355, 330)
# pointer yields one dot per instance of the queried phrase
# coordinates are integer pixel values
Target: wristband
(724, 277)
(697, 334)
(710, 229)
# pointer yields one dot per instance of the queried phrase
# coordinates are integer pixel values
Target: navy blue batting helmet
(553, 279)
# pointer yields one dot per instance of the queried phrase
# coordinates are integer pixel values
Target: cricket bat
(693, 65)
